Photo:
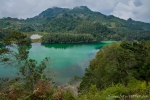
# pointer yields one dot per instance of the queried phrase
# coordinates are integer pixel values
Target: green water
(66, 60)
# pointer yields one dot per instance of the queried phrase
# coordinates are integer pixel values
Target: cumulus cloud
(136, 9)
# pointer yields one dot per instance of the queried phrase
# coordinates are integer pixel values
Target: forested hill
(80, 20)
(84, 13)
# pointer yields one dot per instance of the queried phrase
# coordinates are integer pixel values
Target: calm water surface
(66, 60)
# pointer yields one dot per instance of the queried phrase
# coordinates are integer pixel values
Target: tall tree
(15, 53)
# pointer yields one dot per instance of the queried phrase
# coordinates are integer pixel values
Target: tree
(15, 53)
(118, 63)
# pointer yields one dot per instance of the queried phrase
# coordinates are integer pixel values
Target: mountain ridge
(65, 20)
(84, 11)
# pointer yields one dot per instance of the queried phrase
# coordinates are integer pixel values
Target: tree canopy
(118, 63)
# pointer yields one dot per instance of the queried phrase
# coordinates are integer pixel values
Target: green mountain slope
(80, 20)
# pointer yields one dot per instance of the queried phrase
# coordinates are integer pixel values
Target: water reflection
(66, 60)
(70, 60)
(29, 47)
(65, 46)
(64, 74)
(59, 46)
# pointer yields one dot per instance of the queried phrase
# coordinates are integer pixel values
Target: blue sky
(136, 9)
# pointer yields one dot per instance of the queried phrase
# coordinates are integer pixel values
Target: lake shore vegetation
(120, 70)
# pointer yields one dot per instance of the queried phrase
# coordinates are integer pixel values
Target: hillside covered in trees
(79, 20)
(120, 71)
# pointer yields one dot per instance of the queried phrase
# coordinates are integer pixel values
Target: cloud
(136, 9)
(30, 8)
(137, 3)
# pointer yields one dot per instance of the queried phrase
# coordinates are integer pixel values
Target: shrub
(15, 91)
(42, 90)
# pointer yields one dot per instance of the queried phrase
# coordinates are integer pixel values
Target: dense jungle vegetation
(79, 20)
(118, 63)
(120, 70)
(68, 38)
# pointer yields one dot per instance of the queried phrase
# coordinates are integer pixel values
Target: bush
(42, 90)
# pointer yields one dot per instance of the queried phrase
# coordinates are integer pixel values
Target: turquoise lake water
(66, 60)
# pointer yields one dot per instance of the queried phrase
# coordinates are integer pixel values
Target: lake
(66, 60)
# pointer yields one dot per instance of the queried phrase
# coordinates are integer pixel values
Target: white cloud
(136, 9)
(139, 11)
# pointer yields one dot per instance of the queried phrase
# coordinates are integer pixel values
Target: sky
(138, 10)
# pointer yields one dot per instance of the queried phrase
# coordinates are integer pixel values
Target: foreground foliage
(135, 90)
(120, 70)
(30, 83)
(118, 63)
